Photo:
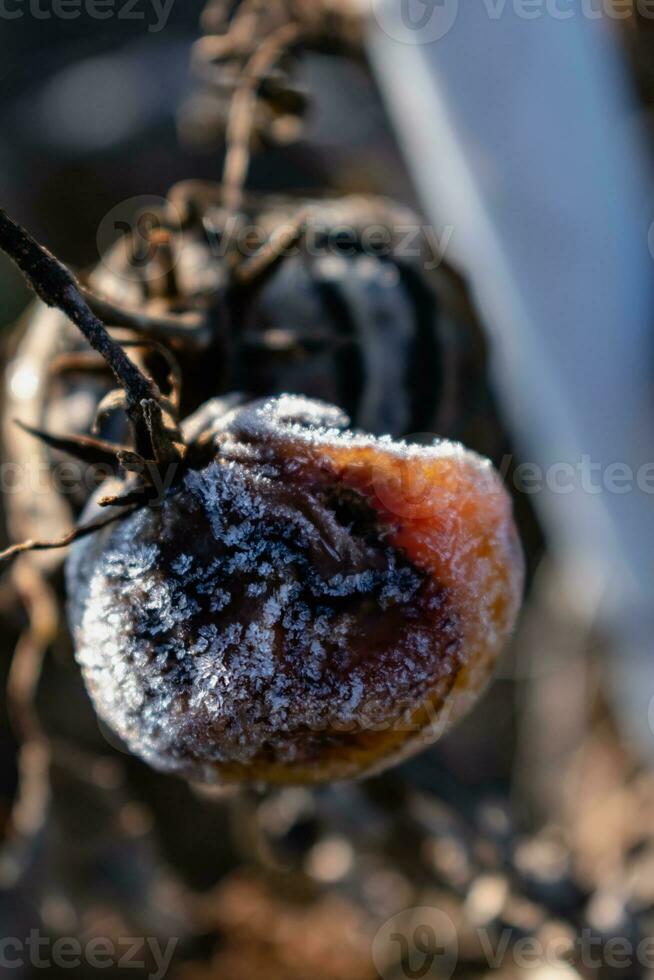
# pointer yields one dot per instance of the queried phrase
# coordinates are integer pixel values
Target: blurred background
(524, 840)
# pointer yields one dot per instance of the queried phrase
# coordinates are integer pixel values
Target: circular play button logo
(415, 21)
(418, 943)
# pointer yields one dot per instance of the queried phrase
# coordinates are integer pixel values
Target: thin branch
(139, 496)
(80, 362)
(131, 462)
(57, 287)
(174, 369)
(242, 110)
(192, 329)
(254, 271)
(113, 401)
(25, 670)
(76, 534)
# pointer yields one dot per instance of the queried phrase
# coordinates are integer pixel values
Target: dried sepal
(87, 449)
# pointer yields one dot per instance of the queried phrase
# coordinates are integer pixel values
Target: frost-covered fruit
(311, 605)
